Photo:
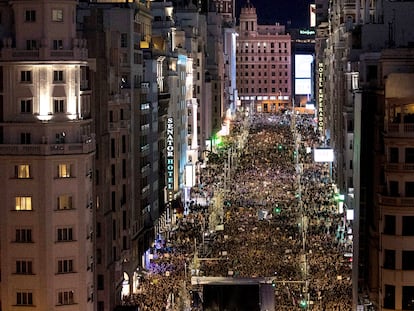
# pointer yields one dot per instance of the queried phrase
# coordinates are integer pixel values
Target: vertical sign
(321, 107)
(312, 13)
(170, 158)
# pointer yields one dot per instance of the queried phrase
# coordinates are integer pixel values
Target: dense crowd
(278, 219)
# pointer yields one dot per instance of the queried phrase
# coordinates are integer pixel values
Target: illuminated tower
(46, 159)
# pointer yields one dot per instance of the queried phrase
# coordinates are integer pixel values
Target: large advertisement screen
(303, 74)
(323, 155)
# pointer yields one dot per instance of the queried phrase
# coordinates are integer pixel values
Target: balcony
(14, 54)
(145, 168)
(145, 129)
(400, 167)
(145, 148)
(124, 124)
(397, 202)
(119, 99)
(49, 149)
(400, 130)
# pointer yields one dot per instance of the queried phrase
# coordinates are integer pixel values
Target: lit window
(66, 297)
(23, 203)
(24, 298)
(22, 171)
(24, 267)
(64, 202)
(64, 171)
(65, 266)
(57, 15)
(65, 234)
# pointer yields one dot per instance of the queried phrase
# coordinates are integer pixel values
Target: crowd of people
(271, 213)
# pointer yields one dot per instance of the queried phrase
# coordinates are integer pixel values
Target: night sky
(282, 11)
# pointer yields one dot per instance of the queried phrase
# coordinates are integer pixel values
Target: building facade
(47, 155)
(365, 60)
(264, 67)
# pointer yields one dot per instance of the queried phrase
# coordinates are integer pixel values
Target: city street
(272, 220)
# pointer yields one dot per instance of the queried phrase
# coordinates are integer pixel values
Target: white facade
(46, 161)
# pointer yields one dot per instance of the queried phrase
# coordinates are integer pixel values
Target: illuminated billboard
(303, 74)
(323, 155)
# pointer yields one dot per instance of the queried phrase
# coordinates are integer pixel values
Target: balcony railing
(145, 148)
(400, 129)
(396, 201)
(399, 167)
(48, 149)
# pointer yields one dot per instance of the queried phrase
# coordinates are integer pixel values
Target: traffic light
(303, 303)
(279, 147)
(218, 141)
(276, 209)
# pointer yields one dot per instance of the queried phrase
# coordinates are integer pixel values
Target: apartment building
(47, 149)
(127, 160)
(365, 66)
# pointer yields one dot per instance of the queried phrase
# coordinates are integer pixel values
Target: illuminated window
(66, 297)
(26, 105)
(24, 267)
(24, 298)
(64, 171)
(64, 202)
(22, 171)
(23, 203)
(57, 15)
(64, 234)
(65, 266)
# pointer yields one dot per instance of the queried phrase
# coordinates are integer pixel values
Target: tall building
(125, 110)
(264, 68)
(47, 150)
(365, 72)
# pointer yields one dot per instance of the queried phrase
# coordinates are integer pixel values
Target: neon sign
(321, 107)
(170, 158)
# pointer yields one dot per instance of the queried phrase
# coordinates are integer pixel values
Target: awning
(59, 91)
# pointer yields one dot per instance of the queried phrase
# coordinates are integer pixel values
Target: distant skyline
(280, 11)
